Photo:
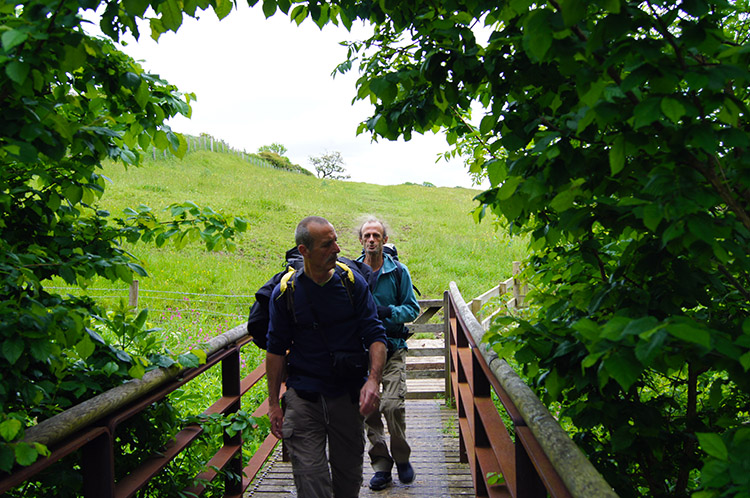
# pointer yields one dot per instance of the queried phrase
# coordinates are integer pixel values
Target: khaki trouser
(307, 426)
(392, 406)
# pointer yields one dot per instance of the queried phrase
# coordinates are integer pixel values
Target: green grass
(432, 227)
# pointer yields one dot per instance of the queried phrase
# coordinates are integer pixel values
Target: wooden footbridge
(460, 444)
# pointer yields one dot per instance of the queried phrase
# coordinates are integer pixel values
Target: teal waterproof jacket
(400, 299)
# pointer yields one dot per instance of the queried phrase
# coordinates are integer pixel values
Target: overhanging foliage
(68, 102)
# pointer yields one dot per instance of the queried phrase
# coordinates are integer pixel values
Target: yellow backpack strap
(349, 273)
(285, 281)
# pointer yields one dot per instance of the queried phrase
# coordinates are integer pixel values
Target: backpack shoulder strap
(287, 283)
(347, 279)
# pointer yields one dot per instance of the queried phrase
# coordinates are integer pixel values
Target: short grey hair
(373, 219)
(302, 235)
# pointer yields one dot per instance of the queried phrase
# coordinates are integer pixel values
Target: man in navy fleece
(326, 317)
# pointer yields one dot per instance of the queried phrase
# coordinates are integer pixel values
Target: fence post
(517, 296)
(476, 307)
(133, 296)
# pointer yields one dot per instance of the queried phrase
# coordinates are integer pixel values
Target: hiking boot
(405, 472)
(380, 480)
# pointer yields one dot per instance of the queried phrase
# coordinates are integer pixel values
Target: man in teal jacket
(397, 305)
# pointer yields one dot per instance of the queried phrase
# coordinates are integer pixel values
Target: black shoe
(380, 480)
(405, 472)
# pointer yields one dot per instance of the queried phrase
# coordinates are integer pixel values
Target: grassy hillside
(432, 227)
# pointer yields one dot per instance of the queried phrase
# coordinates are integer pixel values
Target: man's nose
(336, 248)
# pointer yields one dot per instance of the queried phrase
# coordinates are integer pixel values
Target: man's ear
(303, 250)
(385, 239)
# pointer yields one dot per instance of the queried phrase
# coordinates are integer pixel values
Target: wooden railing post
(528, 483)
(447, 344)
(230, 384)
(133, 295)
(98, 467)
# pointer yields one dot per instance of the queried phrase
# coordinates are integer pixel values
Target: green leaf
(189, 360)
(508, 188)
(12, 349)
(171, 14)
(588, 329)
(591, 360)
(649, 348)
(573, 11)
(646, 112)
(652, 216)
(610, 5)
(73, 193)
(223, 8)
(745, 361)
(85, 347)
(537, 33)
(110, 368)
(25, 454)
(672, 109)
(487, 124)
(10, 429)
(623, 369)
(137, 371)
(17, 71)
(563, 200)
(690, 333)
(200, 354)
(713, 445)
(672, 232)
(269, 8)
(554, 384)
(12, 38)
(617, 155)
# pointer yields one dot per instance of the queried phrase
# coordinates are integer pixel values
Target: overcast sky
(260, 81)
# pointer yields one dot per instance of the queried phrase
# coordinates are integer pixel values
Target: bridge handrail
(580, 478)
(91, 424)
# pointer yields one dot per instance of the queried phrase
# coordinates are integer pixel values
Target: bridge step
(425, 369)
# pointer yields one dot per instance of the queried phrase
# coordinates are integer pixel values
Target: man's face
(322, 255)
(372, 239)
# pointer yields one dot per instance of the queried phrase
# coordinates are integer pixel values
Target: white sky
(260, 81)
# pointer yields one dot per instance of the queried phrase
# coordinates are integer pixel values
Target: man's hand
(274, 372)
(276, 416)
(369, 397)
(384, 312)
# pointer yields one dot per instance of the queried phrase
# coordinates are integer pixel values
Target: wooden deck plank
(432, 431)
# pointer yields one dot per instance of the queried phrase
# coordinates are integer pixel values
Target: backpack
(257, 321)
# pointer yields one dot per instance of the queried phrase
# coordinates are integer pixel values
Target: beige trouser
(307, 426)
(393, 407)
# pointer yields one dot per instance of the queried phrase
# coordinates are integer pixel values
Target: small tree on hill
(275, 147)
(330, 165)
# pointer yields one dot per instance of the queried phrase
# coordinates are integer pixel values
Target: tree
(71, 101)
(276, 148)
(614, 134)
(330, 165)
